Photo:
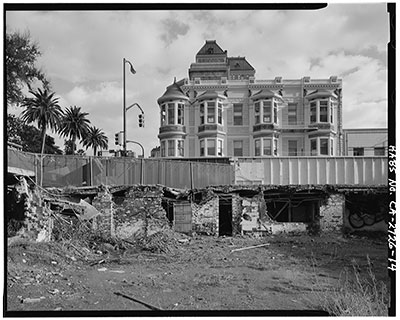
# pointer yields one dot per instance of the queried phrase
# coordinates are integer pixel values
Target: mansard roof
(173, 92)
(211, 47)
(239, 63)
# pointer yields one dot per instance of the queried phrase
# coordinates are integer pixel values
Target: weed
(355, 294)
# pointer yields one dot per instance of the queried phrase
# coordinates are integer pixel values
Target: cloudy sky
(83, 52)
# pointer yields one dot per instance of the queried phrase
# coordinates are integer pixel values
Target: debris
(54, 262)
(32, 300)
(117, 271)
(55, 291)
(102, 269)
(58, 309)
(138, 301)
(183, 240)
(97, 262)
(245, 248)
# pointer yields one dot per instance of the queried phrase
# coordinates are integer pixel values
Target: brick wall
(331, 213)
(205, 217)
(140, 214)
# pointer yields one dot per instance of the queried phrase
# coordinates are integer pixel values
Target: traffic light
(118, 138)
(141, 120)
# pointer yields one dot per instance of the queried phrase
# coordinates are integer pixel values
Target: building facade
(366, 142)
(222, 110)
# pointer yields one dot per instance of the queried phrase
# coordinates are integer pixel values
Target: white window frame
(273, 146)
(272, 105)
(218, 147)
(237, 114)
(329, 110)
(217, 112)
(317, 152)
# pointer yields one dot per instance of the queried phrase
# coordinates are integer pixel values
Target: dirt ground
(200, 273)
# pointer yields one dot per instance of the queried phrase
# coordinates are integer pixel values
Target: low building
(366, 142)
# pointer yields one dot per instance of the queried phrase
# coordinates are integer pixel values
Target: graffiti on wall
(358, 219)
(365, 211)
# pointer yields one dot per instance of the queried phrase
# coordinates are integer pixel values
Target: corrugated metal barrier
(312, 170)
(68, 170)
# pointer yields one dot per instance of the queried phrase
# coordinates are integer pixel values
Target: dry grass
(354, 295)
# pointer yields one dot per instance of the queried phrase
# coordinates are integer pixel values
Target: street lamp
(124, 101)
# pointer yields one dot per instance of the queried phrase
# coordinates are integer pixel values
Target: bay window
(266, 111)
(181, 150)
(210, 112)
(171, 113)
(171, 148)
(181, 108)
(321, 111)
(266, 147)
(211, 147)
(163, 115)
(163, 148)
(321, 146)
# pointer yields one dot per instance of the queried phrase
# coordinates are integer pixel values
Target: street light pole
(124, 108)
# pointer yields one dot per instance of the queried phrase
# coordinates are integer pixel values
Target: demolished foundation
(132, 212)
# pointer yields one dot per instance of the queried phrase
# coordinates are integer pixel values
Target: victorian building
(222, 110)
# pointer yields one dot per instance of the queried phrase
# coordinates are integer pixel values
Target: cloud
(83, 53)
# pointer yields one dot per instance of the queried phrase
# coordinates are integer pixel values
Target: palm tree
(44, 109)
(95, 138)
(74, 125)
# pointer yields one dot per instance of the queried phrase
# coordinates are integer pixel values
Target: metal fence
(312, 170)
(66, 170)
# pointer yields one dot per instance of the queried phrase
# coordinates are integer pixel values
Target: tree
(75, 125)
(44, 109)
(95, 138)
(28, 137)
(20, 58)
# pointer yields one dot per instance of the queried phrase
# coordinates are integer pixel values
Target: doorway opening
(225, 215)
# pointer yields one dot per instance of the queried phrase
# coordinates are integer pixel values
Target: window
(211, 112)
(275, 147)
(237, 148)
(202, 113)
(275, 112)
(379, 151)
(332, 147)
(181, 150)
(257, 113)
(219, 151)
(219, 113)
(171, 113)
(267, 150)
(210, 147)
(358, 152)
(257, 148)
(323, 147)
(313, 112)
(292, 113)
(292, 148)
(267, 113)
(332, 114)
(163, 115)
(313, 147)
(237, 114)
(323, 111)
(202, 148)
(171, 148)
(163, 148)
(181, 113)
